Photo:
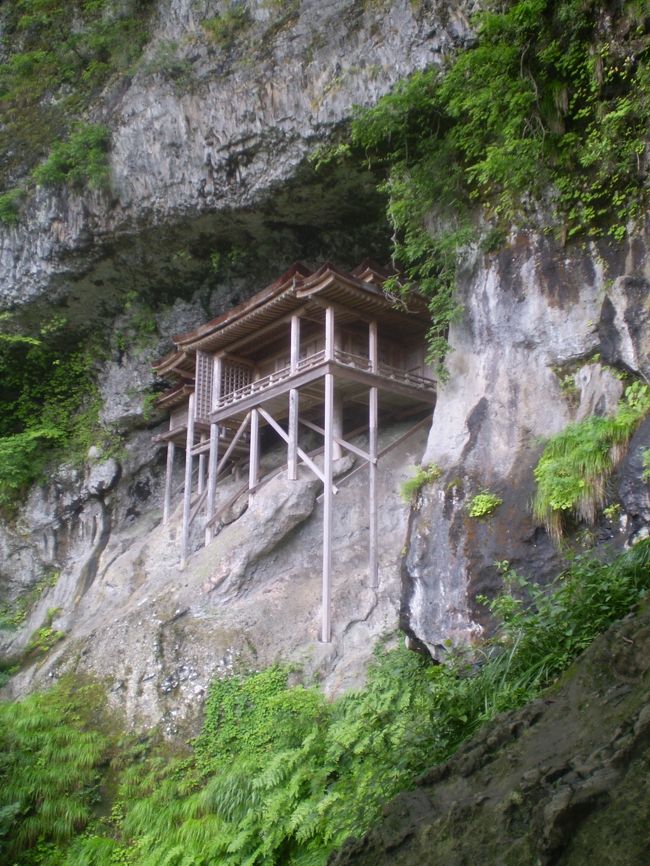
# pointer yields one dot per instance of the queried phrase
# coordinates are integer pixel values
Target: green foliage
(279, 777)
(552, 96)
(58, 54)
(483, 504)
(80, 161)
(224, 29)
(423, 475)
(574, 467)
(9, 203)
(48, 401)
(49, 772)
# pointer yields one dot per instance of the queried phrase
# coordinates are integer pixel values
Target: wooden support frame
(167, 502)
(373, 417)
(187, 492)
(294, 403)
(342, 442)
(303, 456)
(214, 451)
(326, 625)
(254, 454)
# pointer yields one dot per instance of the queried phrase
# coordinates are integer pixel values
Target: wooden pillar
(373, 558)
(337, 426)
(326, 628)
(168, 482)
(294, 403)
(213, 458)
(329, 333)
(187, 492)
(201, 480)
(254, 460)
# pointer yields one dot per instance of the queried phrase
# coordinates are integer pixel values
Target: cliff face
(207, 138)
(545, 334)
(208, 155)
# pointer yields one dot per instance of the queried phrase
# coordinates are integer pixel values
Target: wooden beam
(337, 426)
(329, 333)
(213, 459)
(373, 554)
(201, 481)
(260, 332)
(168, 482)
(342, 442)
(187, 492)
(254, 461)
(304, 457)
(294, 403)
(326, 627)
(235, 439)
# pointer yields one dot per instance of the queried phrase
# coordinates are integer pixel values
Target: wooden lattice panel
(234, 376)
(203, 404)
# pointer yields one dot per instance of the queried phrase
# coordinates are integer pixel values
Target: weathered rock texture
(562, 782)
(545, 330)
(158, 635)
(205, 161)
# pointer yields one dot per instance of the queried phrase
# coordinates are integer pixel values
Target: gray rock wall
(536, 318)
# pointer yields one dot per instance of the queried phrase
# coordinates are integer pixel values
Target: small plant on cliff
(9, 204)
(483, 503)
(80, 161)
(224, 29)
(425, 474)
(575, 465)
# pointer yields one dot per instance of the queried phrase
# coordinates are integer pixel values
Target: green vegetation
(9, 206)
(423, 475)
(49, 772)
(13, 615)
(483, 504)
(575, 465)
(48, 401)
(58, 55)
(278, 776)
(224, 29)
(547, 114)
(81, 161)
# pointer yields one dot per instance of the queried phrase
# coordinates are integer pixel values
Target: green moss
(80, 161)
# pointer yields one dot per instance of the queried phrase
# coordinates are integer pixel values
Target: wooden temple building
(315, 350)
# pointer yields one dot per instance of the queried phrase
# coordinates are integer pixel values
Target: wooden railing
(347, 359)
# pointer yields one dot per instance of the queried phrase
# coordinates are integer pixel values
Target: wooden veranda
(312, 350)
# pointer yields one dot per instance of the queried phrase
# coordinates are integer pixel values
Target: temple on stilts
(312, 350)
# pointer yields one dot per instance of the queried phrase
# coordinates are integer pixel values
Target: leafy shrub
(483, 504)
(574, 467)
(423, 475)
(80, 161)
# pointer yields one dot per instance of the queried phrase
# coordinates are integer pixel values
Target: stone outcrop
(544, 336)
(207, 162)
(562, 781)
